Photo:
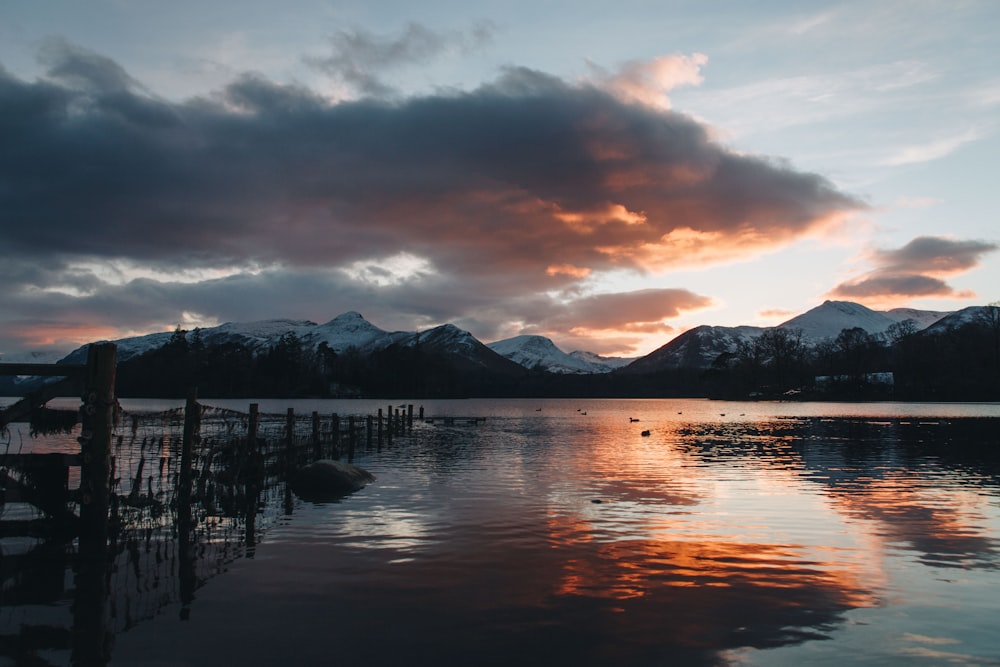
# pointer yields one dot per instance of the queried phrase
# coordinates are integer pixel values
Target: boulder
(327, 480)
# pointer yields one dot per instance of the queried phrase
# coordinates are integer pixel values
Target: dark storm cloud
(917, 269)
(359, 57)
(510, 192)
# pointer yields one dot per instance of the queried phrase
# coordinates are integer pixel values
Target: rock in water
(326, 480)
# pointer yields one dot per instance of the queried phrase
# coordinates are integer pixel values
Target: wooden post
(290, 439)
(317, 447)
(421, 413)
(409, 416)
(350, 438)
(368, 431)
(380, 427)
(185, 546)
(252, 427)
(336, 436)
(192, 426)
(91, 639)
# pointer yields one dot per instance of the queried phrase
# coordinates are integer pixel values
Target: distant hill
(695, 348)
(540, 353)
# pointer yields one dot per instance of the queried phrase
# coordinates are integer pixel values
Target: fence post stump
(91, 639)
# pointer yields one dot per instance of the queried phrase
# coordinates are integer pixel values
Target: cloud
(933, 150)
(359, 57)
(917, 269)
(648, 81)
(284, 202)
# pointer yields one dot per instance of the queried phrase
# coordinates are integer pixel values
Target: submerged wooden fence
(163, 501)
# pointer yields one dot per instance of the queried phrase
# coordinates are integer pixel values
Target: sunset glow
(470, 167)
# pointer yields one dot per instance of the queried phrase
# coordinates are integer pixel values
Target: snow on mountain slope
(604, 364)
(127, 347)
(695, 348)
(984, 315)
(253, 334)
(538, 352)
(351, 330)
(922, 318)
(827, 320)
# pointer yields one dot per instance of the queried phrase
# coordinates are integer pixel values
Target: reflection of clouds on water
(893, 475)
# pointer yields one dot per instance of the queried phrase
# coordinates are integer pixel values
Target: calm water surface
(555, 532)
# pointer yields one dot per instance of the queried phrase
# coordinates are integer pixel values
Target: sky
(605, 174)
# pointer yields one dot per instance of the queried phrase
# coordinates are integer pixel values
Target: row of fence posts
(381, 428)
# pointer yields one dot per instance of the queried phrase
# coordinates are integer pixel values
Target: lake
(555, 532)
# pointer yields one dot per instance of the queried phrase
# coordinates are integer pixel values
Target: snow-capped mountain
(461, 348)
(985, 315)
(538, 352)
(695, 348)
(827, 320)
(599, 361)
(349, 330)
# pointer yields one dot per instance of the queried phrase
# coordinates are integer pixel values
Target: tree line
(958, 364)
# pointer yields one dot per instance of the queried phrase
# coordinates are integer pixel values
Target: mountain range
(349, 334)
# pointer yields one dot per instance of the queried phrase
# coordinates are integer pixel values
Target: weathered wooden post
(91, 639)
(368, 431)
(252, 427)
(380, 427)
(289, 439)
(335, 426)
(317, 447)
(409, 417)
(421, 413)
(185, 548)
(192, 426)
(350, 438)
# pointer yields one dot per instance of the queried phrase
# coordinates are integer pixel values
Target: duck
(644, 433)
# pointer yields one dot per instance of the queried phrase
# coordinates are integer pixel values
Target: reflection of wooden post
(90, 634)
